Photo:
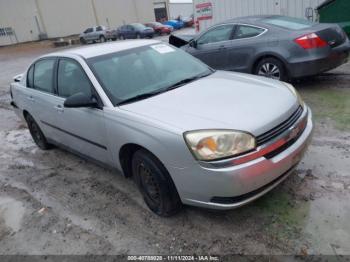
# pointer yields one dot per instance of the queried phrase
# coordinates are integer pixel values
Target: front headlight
(218, 144)
(295, 93)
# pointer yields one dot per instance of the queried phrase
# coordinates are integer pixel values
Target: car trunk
(332, 34)
(180, 40)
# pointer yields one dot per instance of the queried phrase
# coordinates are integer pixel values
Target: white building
(209, 12)
(26, 20)
(182, 8)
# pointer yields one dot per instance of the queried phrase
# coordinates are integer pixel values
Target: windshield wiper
(138, 98)
(186, 81)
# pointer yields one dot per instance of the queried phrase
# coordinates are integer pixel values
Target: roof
(250, 19)
(106, 48)
(324, 4)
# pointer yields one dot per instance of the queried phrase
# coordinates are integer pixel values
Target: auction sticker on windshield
(163, 49)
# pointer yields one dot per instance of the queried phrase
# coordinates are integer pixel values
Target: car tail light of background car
(311, 41)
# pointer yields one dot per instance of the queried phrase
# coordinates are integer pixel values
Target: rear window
(289, 22)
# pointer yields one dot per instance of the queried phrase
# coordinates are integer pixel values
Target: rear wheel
(155, 184)
(102, 39)
(271, 68)
(37, 134)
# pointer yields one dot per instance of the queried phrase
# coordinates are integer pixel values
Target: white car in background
(97, 34)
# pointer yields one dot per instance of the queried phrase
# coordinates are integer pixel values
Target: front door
(212, 46)
(82, 129)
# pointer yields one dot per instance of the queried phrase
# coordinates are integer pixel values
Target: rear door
(243, 47)
(82, 129)
(212, 46)
(40, 95)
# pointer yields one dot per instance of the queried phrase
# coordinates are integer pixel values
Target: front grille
(275, 132)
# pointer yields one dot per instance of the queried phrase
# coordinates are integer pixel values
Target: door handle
(59, 108)
(222, 47)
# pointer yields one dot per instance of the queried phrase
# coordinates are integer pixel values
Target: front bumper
(232, 186)
(147, 34)
(318, 65)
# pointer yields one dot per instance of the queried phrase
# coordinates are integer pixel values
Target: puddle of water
(11, 211)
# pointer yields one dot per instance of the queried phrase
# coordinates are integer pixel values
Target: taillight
(311, 41)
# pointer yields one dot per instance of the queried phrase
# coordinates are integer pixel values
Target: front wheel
(271, 68)
(155, 184)
(37, 134)
(82, 40)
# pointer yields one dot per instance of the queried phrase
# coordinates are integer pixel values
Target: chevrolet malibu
(185, 133)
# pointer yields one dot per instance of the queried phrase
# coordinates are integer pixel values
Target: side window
(89, 30)
(246, 31)
(30, 77)
(43, 75)
(71, 79)
(218, 34)
(99, 28)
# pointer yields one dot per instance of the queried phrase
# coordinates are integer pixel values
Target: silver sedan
(186, 134)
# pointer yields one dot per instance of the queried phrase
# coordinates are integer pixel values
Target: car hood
(222, 100)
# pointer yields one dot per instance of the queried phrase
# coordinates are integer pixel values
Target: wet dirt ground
(56, 203)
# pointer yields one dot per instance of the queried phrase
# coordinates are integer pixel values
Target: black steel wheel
(82, 41)
(36, 133)
(155, 184)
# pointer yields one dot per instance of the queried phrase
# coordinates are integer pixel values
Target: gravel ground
(56, 203)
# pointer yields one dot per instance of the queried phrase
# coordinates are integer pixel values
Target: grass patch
(329, 103)
(280, 204)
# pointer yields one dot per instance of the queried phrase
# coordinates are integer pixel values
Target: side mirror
(80, 100)
(193, 44)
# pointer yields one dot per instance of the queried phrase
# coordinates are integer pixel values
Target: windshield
(138, 26)
(289, 22)
(143, 70)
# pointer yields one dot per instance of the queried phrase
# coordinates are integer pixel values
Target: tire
(82, 41)
(155, 184)
(102, 39)
(37, 134)
(271, 68)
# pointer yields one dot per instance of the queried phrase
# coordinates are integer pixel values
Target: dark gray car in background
(278, 47)
(135, 31)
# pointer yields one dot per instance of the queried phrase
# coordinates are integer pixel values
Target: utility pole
(94, 11)
(43, 29)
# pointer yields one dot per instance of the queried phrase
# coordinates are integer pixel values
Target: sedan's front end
(235, 181)
(148, 32)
